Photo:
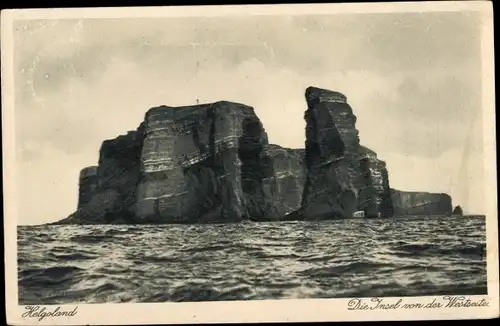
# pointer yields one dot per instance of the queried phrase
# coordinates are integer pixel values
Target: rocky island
(212, 163)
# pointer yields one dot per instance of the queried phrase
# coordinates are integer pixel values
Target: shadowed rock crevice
(285, 173)
(250, 150)
(212, 163)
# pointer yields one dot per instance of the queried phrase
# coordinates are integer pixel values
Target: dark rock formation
(87, 186)
(119, 169)
(213, 163)
(201, 164)
(283, 184)
(458, 211)
(204, 163)
(375, 195)
(420, 203)
(342, 176)
(114, 183)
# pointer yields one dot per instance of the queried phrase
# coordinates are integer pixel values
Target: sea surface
(276, 260)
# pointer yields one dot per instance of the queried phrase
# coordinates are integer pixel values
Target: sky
(412, 79)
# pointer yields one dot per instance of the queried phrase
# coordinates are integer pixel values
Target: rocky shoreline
(212, 163)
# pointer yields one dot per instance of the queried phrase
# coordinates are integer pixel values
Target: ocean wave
(55, 272)
(340, 270)
(434, 249)
(70, 256)
(47, 277)
(326, 259)
(90, 238)
(112, 232)
(206, 248)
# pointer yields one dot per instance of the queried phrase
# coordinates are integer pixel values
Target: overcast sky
(413, 81)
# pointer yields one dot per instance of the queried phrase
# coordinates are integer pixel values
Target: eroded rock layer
(420, 203)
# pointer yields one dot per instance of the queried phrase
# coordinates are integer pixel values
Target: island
(212, 163)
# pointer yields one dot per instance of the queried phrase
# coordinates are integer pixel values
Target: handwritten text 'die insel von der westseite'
(391, 304)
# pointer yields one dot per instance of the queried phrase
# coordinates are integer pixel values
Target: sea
(70, 264)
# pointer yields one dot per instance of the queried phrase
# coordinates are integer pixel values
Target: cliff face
(119, 169)
(420, 203)
(342, 176)
(201, 163)
(108, 191)
(375, 194)
(213, 163)
(89, 180)
(204, 163)
(283, 183)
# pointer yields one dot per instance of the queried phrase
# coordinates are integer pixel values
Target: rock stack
(343, 177)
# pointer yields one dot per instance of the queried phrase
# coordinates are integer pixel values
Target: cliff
(283, 184)
(87, 185)
(213, 163)
(201, 163)
(108, 192)
(420, 203)
(342, 176)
